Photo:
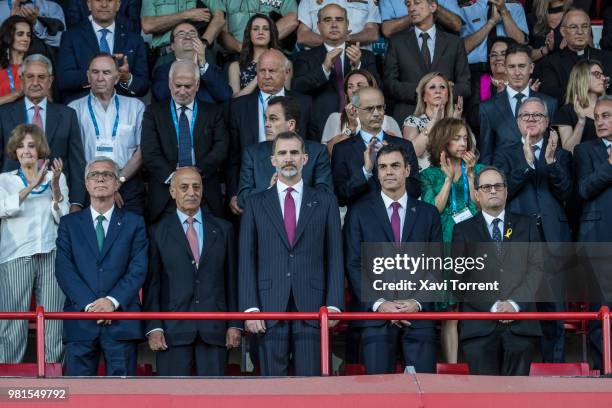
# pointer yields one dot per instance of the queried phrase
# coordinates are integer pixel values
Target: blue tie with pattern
(104, 47)
(184, 145)
(497, 237)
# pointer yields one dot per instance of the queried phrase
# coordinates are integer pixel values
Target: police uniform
(392, 9)
(238, 12)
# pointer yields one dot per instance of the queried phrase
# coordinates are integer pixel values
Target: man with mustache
(290, 261)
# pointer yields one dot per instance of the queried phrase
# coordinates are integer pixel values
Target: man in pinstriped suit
(290, 260)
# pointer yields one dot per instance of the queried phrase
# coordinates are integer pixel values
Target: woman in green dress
(448, 184)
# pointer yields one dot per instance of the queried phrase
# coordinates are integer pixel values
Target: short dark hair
(519, 49)
(391, 148)
(485, 169)
(174, 28)
(288, 136)
(291, 107)
(510, 42)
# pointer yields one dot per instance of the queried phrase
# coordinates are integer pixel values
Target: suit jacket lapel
(380, 213)
(413, 49)
(307, 208)
(54, 118)
(503, 104)
(198, 130)
(275, 214)
(114, 227)
(484, 228)
(90, 36)
(409, 220)
(439, 47)
(601, 151)
(253, 116)
(210, 238)
(120, 40)
(170, 143)
(89, 232)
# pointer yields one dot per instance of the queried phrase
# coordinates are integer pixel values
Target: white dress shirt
(107, 217)
(328, 48)
(511, 93)
(489, 220)
(129, 129)
(537, 152)
(297, 194)
(431, 41)
(367, 137)
(189, 114)
(29, 106)
(261, 111)
(110, 36)
(198, 225)
(28, 228)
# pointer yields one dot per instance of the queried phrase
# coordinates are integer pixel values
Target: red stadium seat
(456, 369)
(559, 369)
(29, 370)
(354, 369)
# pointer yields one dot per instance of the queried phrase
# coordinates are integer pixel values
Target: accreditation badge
(104, 145)
(462, 215)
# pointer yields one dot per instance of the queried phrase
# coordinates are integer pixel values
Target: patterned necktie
(535, 149)
(100, 231)
(519, 99)
(104, 47)
(339, 82)
(184, 145)
(37, 118)
(192, 238)
(290, 216)
(425, 50)
(374, 151)
(396, 222)
(497, 237)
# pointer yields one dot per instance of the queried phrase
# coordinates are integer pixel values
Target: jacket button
(197, 281)
(197, 302)
(291, 255)
(288, 274)
(100, 270)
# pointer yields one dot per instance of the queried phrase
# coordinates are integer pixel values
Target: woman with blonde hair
(434, 102)
(32, 200)
(575, 119)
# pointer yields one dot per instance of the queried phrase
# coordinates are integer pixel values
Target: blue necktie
(184, 146)
(497, 237)
(104, 47)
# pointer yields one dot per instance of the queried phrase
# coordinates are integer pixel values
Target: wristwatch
(348, 132)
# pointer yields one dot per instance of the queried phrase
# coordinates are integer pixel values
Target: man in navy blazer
(101, 264)
(498, 115)
(353, 167)
(187, 45)
(290, 261)
(372, 220)
(258, 174)
(77, 12)
(594, 182)
(540, 182)
(102, 34)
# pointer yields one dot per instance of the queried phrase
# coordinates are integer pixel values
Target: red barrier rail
(323, 316)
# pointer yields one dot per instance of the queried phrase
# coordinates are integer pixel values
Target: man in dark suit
(320, 71)
(247, 116)
(192, 268)
(186, 45)
(58, 121)
(102, 34)
(540, 178)
(594, 183)
(258, 174)
(353, 167)
(556, 68)
(101, 264)
(183, 132)
(77, 12)
(389, 215)
(290, 261)
(498, 126)
(503, 347)
(421, 50)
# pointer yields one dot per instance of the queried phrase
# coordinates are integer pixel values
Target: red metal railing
(323, 316)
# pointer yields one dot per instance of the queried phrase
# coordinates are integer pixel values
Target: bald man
(192, 269)
(183, 132)
(247, 116)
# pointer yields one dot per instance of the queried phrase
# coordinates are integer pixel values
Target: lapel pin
(118, 223)
(413, 209)
(508, 233)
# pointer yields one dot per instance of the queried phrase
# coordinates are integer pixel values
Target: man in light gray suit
(290, 260)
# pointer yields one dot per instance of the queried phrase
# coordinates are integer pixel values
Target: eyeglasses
(105, 175)
(186, 34)
(486, 188)
(574, 28)
(536, 117)
(371, 109)
(598, 74)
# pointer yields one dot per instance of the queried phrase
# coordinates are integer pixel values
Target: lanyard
(43, 188)
(193, 119)
(263, 110)
(10, 77)
(466, 189)
(92, 115)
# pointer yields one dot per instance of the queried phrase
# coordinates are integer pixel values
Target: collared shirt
(607, 143)
(129, 129)
(46, 8)
(402, 210)
(198, 225)
(261, 111)
(538, 151)
(189, 114)
(511, 93)
(29, 106)
(475, 16)
(28, 228)
(297, 194)
(110, 36)
(489, 220)
(366, 137)
(431, 41)
(393, 9)
(328, 48)
(107, 217)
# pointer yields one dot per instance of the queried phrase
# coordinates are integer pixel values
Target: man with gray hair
(181, 132)
(57, 121)
(101, 263)
(539, 173)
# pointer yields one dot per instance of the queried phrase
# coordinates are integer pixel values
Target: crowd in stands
(233, 155)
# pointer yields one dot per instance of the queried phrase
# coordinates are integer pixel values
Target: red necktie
(192, 238)
(290, 216)
(37, 119)
(396, 222)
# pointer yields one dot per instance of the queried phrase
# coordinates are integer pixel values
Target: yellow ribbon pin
(508, 233)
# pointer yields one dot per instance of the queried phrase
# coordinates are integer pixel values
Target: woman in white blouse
(32, 200)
